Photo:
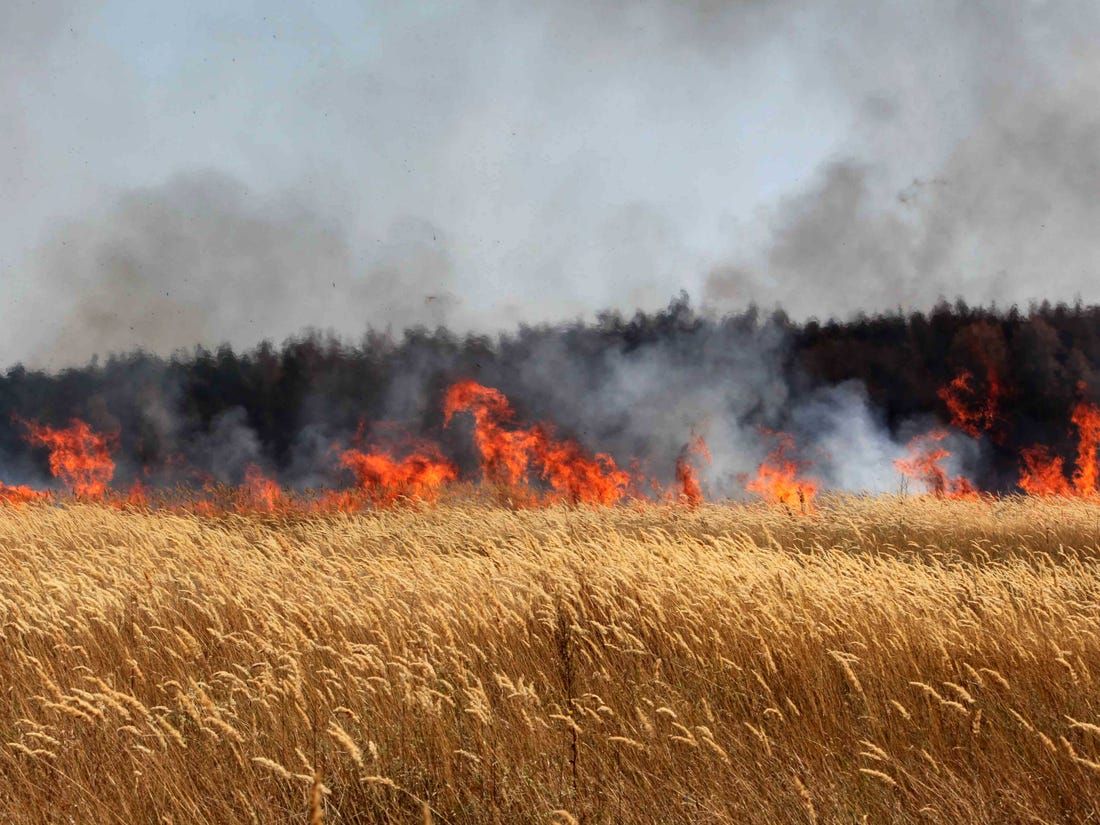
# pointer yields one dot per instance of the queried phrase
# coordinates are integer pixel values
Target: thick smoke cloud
(494, 163)
(994, 206)
(200, 259)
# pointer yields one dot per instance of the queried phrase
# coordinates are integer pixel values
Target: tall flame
(509, 452)
(1086, 474)
(691, 493)
(1043, 474)
(778, 478)
(505, 454)
(924, 463)
(79, 456)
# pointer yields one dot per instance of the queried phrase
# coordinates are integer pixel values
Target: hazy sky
(176, 173)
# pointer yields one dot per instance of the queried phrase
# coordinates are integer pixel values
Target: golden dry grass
(886, 660)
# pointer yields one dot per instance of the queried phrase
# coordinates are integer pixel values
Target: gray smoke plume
(494, 163)
(969, 172)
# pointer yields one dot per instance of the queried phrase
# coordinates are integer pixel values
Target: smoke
(995, 208)
(852, 395)
(488, 164)
(200, 259)
(850, 443)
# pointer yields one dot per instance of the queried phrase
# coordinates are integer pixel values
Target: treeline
(283, 405)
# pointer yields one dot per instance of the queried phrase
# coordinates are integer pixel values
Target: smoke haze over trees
(636, 386)
(183, 173)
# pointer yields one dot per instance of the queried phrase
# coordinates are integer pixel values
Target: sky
(192, 173)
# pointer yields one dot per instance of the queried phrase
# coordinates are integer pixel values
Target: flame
(19, 494)
(971, 411)
(515, 455)
(202, 507)
(1086, 417)
(690, 491)
(259, 492)
(576, 477)
(777, 478)
(79, 456)
(505, 454)
(1042, 473)
(924, 464)
(138, 495)
(337, 501)
(508, 452)
(383, 479)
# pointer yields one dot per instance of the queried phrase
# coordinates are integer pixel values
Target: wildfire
(534, 467)
(690, 491)
(383, 479)
(137, 496)
(79, 456)
(1086, 417)
(924, 463)
(1043, 474)
(972, 411)
(508, 451)
(505, 454)
(578, 478)
(777, 478)
(20, 494)
(260, 492)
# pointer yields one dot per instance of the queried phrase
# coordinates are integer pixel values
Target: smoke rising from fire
(489, 164)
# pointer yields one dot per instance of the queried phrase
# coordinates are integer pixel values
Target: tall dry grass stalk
(885, 660)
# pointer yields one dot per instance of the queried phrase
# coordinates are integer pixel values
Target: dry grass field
(883, 660)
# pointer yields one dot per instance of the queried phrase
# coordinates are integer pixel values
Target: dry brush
(901, 660)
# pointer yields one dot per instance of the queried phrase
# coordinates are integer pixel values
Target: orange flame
(1087, 419)
(924, 464)
(777, 478)
(138, 496)
(383, 479)
(576, 477)
(1042, 474)
(79, 456)
(691, 493)
(508, 452)
(505, 454)
(971, 411)
(337, 501)
(19, 494)
(260, 492)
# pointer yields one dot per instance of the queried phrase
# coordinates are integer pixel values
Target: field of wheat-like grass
(883, 660)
